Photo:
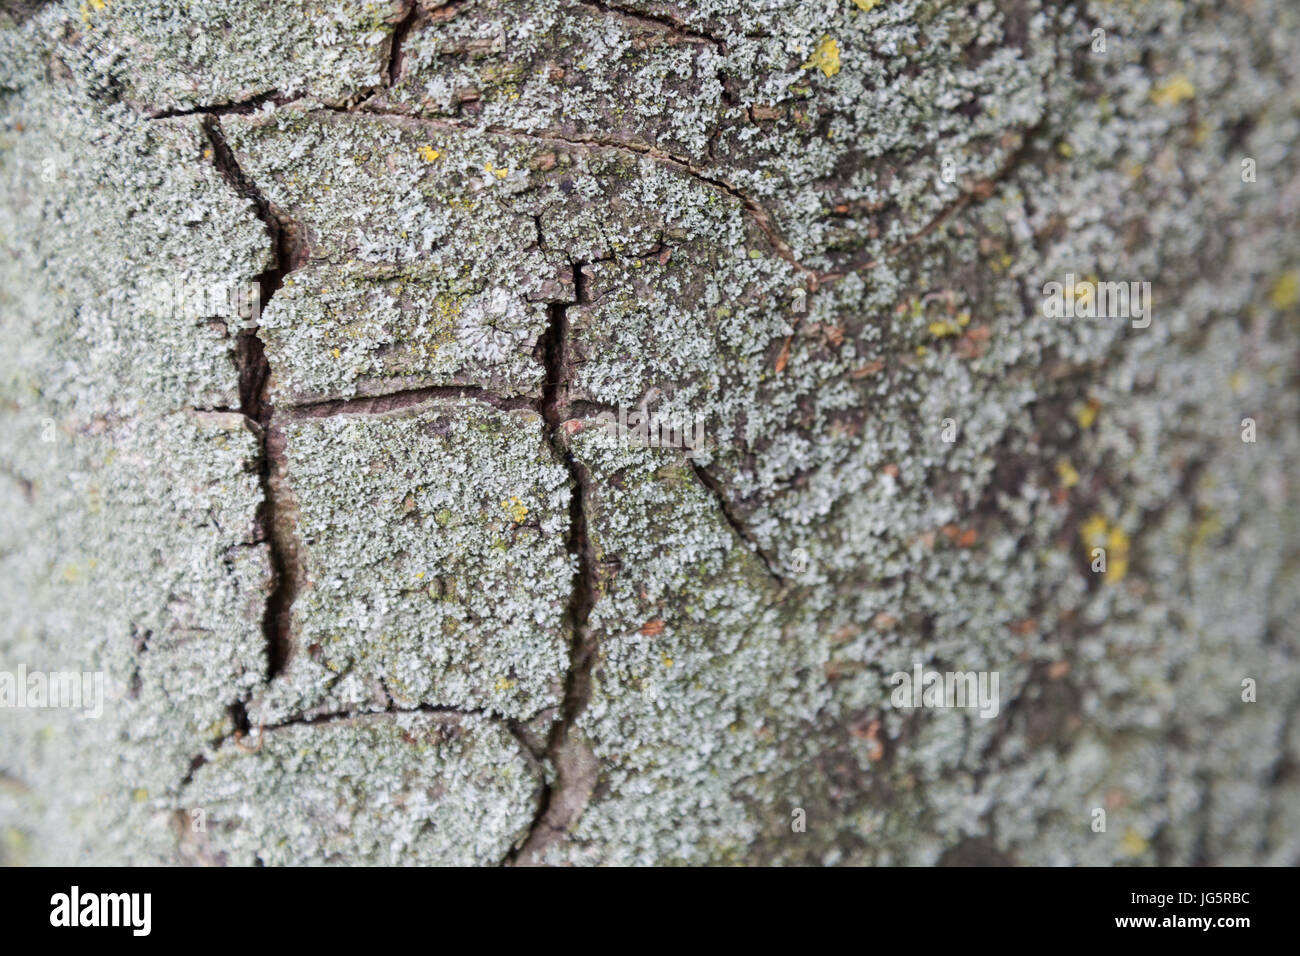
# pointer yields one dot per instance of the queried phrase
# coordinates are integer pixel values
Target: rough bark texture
(368, 584)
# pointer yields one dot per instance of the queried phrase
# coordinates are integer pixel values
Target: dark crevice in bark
(583, 408)
(661, 21)
(250, 105)
(196, 763)
(393, 70)
(341, 716)
(239, 718)
(394, 401)
(288, 252)
(564, 800)
(242, 731)
(737, 526)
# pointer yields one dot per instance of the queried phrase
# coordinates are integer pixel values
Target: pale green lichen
(746, 611)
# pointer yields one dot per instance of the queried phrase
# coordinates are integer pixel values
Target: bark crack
(250, 105)
(737, 526)
(276, 515)
(402, 29)
(661, 21)
(242, 732)
(575, 766)
(393, 401)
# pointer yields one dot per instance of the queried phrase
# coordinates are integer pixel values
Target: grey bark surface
(370, 582)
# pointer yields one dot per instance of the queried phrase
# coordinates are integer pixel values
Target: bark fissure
(574, 765)
(393, 69)
(288, 252)
(737, 527)
(564, 800)
(242, 731)
(250, 105)
(662, 21)
(409, 398)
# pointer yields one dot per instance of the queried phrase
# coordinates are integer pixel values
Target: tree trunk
(861, 431)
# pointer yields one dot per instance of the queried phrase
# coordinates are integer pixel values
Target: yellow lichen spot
(1132, 843)
(1086, 413)
(921, 350)
(501, 173)
(428, 153)
(1236, 381)
(963, 319)
(941, 329)
(668, 661)
(866, 6)
(1068, 474)
(1117, 548)
(1096, 532)
(504, 683)
(140, 794)
(826, 57)
(1065, 149)
(419, 574)
(1286, 290)
(335, 352)
(1172, 93)
(1093, 532)
(515, 508)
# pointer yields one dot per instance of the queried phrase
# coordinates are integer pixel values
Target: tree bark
(580, 432)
